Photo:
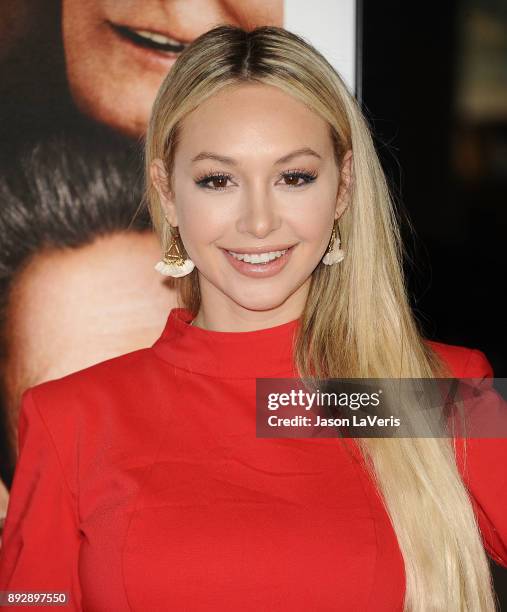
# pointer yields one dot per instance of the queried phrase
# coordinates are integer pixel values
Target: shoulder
(464, 362)
(481, 458)
(71, 400)
(86, 409)
(99, 376)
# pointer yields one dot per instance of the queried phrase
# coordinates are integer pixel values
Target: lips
(260, 270)
(261, 249)
(149, 39)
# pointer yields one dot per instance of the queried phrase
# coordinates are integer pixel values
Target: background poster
(77, 81)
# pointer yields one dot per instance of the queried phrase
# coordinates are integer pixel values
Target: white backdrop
(330, 26)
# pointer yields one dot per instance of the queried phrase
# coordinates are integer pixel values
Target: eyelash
(307, 176)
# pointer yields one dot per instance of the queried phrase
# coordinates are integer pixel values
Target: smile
(258, 257)
(259, 265)
(149, 39)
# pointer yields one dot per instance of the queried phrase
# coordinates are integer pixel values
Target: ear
(160, 181)
(345, 184)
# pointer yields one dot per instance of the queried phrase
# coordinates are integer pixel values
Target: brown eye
(218, 182)
(293, 177)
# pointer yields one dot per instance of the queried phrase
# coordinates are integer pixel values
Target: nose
(259, 216)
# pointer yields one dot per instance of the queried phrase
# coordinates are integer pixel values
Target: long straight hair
(357, 321)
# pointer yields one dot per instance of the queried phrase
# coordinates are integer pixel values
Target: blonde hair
(361, 304)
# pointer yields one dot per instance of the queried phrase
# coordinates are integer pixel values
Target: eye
(217, 178)
(295, 175)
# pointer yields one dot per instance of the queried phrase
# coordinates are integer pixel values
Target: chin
(260, 302)
(130, 124)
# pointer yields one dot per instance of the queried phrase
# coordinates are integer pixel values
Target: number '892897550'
(35, 598)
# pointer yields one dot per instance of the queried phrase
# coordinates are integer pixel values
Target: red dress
(141, 485)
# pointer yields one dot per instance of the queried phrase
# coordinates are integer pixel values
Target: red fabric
(141, 485)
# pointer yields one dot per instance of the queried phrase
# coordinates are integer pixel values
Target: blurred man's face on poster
(70, 309)
(118, 52)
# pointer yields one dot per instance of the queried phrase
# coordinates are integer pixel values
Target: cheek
(198, 236)
(81, 38)
(80, 26)
(312, 223)
(311, 228)
(201, 219)
(261, 12)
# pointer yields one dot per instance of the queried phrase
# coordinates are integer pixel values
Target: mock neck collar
(262, 353)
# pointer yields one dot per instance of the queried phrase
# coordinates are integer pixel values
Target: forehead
(250, 120)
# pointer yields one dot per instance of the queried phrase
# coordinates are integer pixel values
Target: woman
(143, 475)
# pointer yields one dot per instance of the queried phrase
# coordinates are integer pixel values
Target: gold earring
(334, 254)
(173, 263)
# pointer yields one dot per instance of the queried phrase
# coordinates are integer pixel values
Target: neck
(225, 354)
(246, 326)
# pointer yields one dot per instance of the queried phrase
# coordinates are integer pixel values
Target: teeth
(158, 38)
(258, 258)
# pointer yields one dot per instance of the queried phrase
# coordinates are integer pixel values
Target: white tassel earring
(173, 262)
(334, 254)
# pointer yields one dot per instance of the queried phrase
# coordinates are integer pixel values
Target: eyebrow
(232, 162)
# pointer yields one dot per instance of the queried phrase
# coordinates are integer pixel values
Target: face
(279, 187)
(69, 310)
(118, 52)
